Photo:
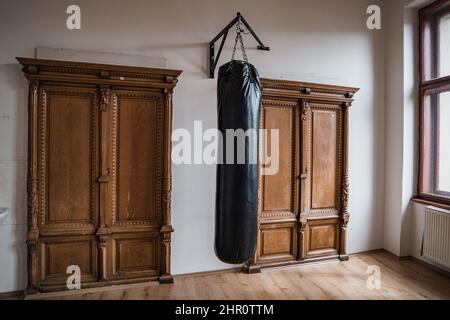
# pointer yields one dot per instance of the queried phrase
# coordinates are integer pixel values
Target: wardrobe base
(344, 257)
(90, 285)
(251, 269)
(166, 279)
(257, 268)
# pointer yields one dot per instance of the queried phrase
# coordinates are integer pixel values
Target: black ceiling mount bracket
(224, 33)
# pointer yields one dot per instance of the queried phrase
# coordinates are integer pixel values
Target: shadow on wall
(13, 113)
(13, 163)
(20, 248)
(198, 66)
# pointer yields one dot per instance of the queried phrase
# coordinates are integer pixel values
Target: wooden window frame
(429, 60)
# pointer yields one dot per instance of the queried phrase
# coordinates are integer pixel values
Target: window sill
(431, 203)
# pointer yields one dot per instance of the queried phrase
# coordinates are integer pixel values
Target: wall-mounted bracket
(224, 33)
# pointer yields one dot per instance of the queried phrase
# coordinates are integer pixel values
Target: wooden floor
(333, 280)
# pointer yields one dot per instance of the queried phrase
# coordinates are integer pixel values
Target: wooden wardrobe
(99, 176)
(303, 209)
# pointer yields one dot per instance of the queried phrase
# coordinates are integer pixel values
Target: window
(434, 159)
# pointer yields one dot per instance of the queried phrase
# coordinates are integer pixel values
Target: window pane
(444, 142)
(444, 46)
(427, 143)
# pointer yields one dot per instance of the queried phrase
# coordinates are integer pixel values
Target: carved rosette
(102, 241)
(32, 246)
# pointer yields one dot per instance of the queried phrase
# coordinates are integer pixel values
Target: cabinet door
(323, 155)
(137, 121)
(67, 174)
(279, 191)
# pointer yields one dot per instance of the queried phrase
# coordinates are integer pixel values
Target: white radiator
(436, 239)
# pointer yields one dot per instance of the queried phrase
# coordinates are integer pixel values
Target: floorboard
(400, 279)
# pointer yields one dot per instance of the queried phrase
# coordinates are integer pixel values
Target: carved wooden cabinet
(99, 180)
(303, 208)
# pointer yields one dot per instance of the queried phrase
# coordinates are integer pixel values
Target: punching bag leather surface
(239, 95)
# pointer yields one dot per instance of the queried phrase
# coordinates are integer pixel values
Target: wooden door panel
(137, 127)
(277, 241)
(322, 236)
(137, 131)
(324, 156)
(277, 189)
(136, 255)
(58, 253)
(68, 157)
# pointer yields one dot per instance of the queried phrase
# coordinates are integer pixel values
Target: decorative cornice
(277, 214)
(278, 103)
(96, 71)
(307, 88)
(62, 225)
(322, 106)
(316, 213)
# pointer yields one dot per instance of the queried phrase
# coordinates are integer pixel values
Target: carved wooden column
(304, 177)
(344, 214)
(103, 232)
(167, 229)
(32, 186)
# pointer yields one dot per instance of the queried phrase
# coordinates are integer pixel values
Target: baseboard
(431, 266)
(411, 258)
(12, 295)
(366, 252)
(212, 272)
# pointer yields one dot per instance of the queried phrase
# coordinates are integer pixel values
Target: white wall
(403, 220)
(321, 41)
(394, 125)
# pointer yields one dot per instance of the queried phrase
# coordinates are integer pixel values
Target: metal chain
(241, 40)
(244, 54)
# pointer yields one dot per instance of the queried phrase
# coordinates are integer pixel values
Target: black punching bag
(238, 95)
